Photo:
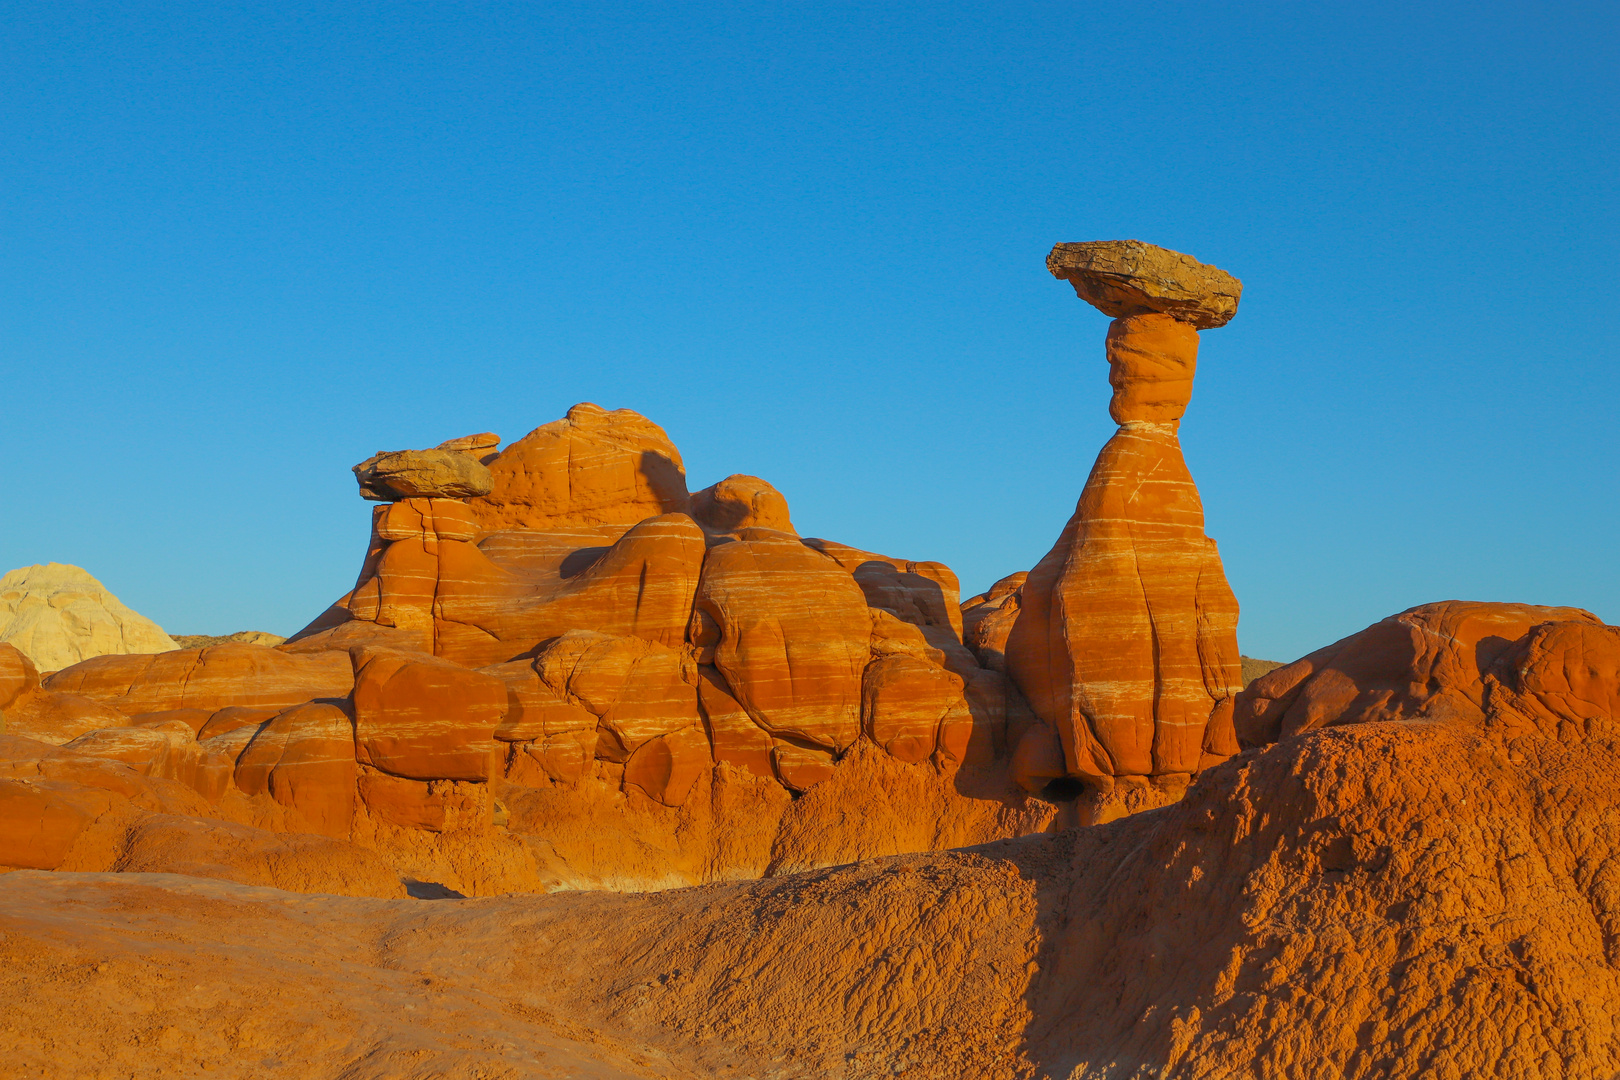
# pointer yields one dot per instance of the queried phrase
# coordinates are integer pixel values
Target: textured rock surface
(788, 628)
(429, 586)
(1124, 637)
(741, 502)
(482, 447)
(987, 620)
(18, 675)
(423, 718)
(1128, 277)
(1431, 658)
(241, 637)
(1253, 668)
(209, 678)
(58, 718)
(58, 615)
(588, 679)
(304, 759)
(412, 474)
(1389, 899)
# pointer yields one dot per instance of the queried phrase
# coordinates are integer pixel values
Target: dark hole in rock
(1064, 789)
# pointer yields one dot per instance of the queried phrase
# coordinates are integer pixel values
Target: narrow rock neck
(1151, 362)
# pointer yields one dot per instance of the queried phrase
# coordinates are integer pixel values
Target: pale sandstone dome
(58, 615)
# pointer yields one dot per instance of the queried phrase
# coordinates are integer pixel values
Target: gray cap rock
(1128, 277)
(413, 474)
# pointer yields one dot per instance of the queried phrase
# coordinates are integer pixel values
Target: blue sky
(245, 246)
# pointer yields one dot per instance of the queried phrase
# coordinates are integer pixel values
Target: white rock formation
(58, 615)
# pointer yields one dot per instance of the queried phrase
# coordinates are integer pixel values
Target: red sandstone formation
(741, 502)
(209, 678)
(585, 677)
(1430, 661)
(1124, 637)
(1413, 892)
(582, 676)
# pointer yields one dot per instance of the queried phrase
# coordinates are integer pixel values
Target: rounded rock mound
(58, 615)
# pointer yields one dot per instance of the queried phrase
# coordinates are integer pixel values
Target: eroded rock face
(788, 627)
(209, 678)
(58, 615)
(424, 718)
(1430, 660)
(1124, 637)
(17, 675)
(1409, 898)
(429, 586)
(741, 502)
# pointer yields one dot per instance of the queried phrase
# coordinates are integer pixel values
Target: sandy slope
(1386, 900)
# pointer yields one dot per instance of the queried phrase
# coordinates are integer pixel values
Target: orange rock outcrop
(1400, 895)
(583, 677)
(1429, 661)
(1124, 637)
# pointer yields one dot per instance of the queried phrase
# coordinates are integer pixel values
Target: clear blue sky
(243, 246)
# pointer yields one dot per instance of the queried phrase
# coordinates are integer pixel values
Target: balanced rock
(1127, 277)
(414, 474)
(584, 678)
(1125, 634)
(58, 615)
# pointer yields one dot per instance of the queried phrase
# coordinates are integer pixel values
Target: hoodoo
(1125, 634)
